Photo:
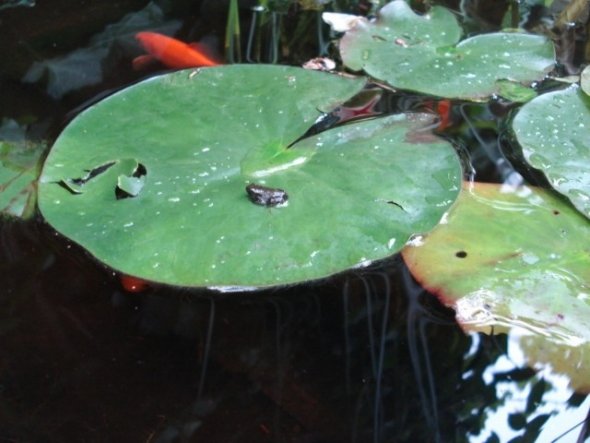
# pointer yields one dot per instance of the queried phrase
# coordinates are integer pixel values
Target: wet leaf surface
(423, 53)
(554, 133)
(514, 259)
(188, 158)
(19, 170)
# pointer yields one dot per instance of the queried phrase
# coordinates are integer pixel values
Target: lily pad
(423, 53)
(510, 258)
(585, 80)
(19, 169)
(554, 133)
(572, 359)
(195, 139)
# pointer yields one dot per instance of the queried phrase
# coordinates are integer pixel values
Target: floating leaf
(554, 132)
(196, 139)
(585, 80)
(423, 53)
(572, 359)
(515, 92)
(19, 170)
(514, 258)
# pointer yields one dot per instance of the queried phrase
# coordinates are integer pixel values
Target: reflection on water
(86, 66)
(366, 357)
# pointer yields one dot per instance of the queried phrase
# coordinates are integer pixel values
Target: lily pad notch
(127, 184)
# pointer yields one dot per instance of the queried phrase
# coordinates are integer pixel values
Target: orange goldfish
(171, 52)
(133, 284)
(443, 108)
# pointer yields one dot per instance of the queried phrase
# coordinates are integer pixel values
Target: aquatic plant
(553, 133)
(514, 259)
(172, 181)
(423, 53)
(223, 191)
(20, 165)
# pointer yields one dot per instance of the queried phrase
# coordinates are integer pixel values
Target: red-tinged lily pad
(198, 178)
(508, 258)
(554, 133)
(423, 53)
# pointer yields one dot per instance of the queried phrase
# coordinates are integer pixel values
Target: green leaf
(515, 92)
(130, 185)
(514, 260)
(585, 80)
(554, 133)
(195, 139)
(19, 169)
(423, 53)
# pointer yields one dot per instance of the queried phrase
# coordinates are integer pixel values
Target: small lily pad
(554, 133)
(19, 169)
(515, 92)
(423, 53)
(508, 259)
(156, 180)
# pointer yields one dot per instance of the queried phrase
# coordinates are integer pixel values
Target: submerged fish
(171, 52)
(133, 284)
(444, 109)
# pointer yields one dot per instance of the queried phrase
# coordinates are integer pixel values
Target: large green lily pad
(152, 180)
(423, 53)
(554, 133)
(510, 259)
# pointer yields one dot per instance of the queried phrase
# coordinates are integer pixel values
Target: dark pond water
(364, 357)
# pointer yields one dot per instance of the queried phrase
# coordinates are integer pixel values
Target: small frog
(264, 196)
